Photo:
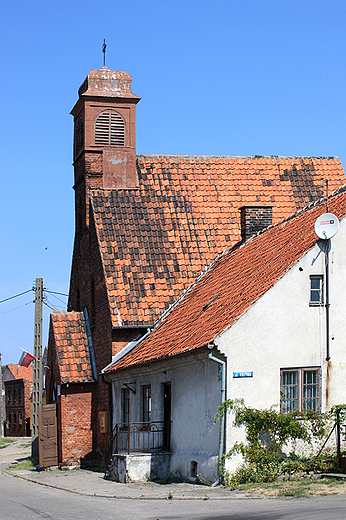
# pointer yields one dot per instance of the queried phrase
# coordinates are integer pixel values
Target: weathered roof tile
(192, 202)
(233, 283)
(72, 347)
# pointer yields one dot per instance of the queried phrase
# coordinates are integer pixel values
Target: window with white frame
(300, 389)
(316, 289)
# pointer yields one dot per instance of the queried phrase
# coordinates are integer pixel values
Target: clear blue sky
(231, 77)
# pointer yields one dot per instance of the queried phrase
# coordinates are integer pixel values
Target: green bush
(263, 462)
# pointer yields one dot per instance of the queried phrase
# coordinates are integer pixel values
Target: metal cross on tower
(104, 52)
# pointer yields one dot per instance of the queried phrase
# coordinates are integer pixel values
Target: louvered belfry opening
(79, 135)
(110, 129)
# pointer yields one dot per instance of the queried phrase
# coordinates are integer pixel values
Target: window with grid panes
(300, 389)
(316, 289)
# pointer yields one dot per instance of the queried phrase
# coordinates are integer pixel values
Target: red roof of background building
(231, 286)
(21, 372)
(157, 239)
(72, 349)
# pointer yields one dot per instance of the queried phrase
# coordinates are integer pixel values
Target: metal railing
(141, 437)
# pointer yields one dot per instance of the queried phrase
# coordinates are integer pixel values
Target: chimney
(253, 219)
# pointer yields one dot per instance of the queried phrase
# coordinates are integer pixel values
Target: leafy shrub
(265, 462)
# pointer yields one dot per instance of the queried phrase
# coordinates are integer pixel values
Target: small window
(20, 418)
(300, 389)
(146, 403)
(316, 289)
(125, 405)
(110, 129)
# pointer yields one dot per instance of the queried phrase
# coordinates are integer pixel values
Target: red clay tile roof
(21, 372)
(231, 286)
(72, 347)
(156, 240)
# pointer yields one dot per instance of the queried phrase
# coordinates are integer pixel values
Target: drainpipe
(223, 398)
(326, 257)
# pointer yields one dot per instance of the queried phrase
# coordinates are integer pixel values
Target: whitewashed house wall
(281, 330)
(195, 398)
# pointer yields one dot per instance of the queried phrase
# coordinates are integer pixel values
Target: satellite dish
(326, 226)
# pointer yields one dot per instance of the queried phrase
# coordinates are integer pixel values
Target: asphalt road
(24, 500)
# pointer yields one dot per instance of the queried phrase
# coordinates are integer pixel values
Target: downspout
(223, 398)
(326, 257)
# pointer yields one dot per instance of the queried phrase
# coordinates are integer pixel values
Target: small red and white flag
(25, 359)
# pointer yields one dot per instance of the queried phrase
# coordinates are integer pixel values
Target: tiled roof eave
(157, 359)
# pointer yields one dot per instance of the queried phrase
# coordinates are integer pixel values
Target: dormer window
(79, 139)
(110, 129)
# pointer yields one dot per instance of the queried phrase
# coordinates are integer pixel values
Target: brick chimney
(253, 219)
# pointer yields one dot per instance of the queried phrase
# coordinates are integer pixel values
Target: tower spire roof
(107, 83)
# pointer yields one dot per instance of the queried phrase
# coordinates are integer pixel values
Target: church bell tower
(104, 150)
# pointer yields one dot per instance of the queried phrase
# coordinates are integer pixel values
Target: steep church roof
(234, 282)
(156, 239)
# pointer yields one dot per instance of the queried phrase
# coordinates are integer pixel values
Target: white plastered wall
(281, 330)
(195, 398)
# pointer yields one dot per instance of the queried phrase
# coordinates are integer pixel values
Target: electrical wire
(54, 292)
(56, 297)
(15, 296)
(10, 310)
(48, 305)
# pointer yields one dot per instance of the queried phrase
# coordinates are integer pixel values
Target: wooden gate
(47, 435)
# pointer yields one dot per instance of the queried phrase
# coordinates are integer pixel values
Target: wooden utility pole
(37, 378)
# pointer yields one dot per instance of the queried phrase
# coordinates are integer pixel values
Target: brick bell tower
(104, 152)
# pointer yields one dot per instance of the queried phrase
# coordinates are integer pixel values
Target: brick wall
(75, 423)
(17, 395)
(87, 289)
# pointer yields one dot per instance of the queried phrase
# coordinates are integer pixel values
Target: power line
(15, 296)
(56, 297)
(53, 292)
(52, 308)
(25, 304)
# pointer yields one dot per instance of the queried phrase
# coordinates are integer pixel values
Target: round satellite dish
(326, 226)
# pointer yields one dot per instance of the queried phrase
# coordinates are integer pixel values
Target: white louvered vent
(110, 129)
(79, 135)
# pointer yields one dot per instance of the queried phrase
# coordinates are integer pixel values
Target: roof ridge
(273, 156)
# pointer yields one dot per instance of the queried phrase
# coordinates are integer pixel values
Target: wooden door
(47, 435)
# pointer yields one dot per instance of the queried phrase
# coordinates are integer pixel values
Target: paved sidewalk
(93, 484)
